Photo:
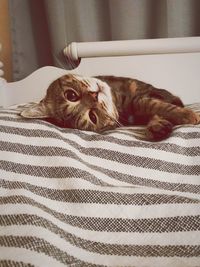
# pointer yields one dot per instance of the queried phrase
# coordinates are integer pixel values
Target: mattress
(77, 198)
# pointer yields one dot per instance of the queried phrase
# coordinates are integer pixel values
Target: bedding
(77, 198)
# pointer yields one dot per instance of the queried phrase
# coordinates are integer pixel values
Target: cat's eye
(93, 117)
(71, 95)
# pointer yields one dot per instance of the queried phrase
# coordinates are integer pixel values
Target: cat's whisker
(115, 120)
(118, 123)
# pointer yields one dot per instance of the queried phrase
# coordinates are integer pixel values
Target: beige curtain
(41, 29)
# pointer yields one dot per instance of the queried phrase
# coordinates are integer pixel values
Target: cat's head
(77, 102)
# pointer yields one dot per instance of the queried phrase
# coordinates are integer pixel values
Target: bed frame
(172, 64)
(78, 198)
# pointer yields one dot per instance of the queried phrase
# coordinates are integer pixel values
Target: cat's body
(105, 102)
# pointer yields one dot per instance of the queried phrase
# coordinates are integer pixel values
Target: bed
(77, 198)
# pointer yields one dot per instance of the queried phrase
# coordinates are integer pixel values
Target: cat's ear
(36, 111)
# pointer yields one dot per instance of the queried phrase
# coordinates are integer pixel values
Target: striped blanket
(77, 198)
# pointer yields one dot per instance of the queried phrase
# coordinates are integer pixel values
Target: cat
(105, 102)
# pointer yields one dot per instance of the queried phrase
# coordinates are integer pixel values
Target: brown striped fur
(106, 102)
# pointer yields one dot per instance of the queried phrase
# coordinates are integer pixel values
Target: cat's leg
(166, 96)
(163, 116)
(181, 115)
(158, 129)
(175, 114)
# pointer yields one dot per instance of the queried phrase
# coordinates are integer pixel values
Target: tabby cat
(105, 102)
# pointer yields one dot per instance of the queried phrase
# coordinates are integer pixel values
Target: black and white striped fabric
(76, 198)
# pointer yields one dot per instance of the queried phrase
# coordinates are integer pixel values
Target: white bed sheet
(76, 198)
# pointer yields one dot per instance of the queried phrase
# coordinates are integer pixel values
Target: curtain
(42, 28)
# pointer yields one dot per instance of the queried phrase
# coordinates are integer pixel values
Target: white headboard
(178, 72)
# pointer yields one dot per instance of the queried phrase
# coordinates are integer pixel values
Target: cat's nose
(94, 95)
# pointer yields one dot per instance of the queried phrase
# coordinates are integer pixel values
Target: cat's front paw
(158, 129)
